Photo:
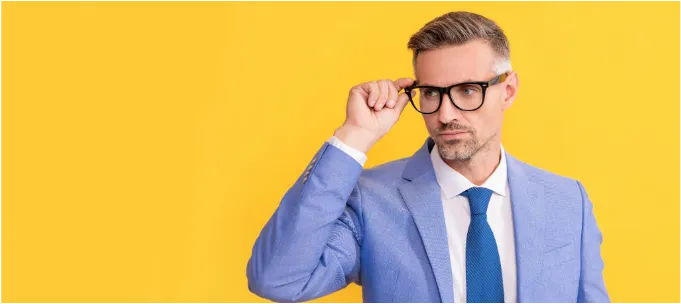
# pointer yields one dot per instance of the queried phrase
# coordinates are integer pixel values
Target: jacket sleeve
(310, 246)
(591, 283)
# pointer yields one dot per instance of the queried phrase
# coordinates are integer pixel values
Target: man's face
(473, 61)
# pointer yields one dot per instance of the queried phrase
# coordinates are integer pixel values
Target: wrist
(356, 137)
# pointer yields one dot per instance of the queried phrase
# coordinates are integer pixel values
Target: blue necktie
(484, 283)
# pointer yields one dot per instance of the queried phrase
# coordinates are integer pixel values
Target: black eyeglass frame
(447, 90)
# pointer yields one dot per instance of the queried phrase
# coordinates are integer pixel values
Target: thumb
(402, 83)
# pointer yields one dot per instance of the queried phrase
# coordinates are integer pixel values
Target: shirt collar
(453, 183)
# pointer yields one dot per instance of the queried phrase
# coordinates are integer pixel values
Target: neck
(480, 166)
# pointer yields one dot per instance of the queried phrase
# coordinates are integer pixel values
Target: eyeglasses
(466, 96)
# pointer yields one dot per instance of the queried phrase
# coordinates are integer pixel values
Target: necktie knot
(478, 198)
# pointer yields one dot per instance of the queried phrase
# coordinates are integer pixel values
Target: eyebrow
(430, 85)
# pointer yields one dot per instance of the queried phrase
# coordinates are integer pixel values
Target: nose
(448, 111)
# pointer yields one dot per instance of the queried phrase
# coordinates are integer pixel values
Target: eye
(430, 92)
(470, 89)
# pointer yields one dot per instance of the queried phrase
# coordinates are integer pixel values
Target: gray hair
(457, 28)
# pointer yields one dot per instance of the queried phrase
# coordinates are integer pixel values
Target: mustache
(454, 127)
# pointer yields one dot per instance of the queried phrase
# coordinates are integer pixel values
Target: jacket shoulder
(385, 173)
(553, 182)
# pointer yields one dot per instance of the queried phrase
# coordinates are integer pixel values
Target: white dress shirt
(457, 214)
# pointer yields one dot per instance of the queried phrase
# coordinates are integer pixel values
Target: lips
(453, 133)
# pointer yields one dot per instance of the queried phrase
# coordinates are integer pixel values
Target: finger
(383, 98)
(374, 93)
(402, 83)
(392, 95)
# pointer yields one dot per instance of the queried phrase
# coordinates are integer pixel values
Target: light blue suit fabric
(384, 229)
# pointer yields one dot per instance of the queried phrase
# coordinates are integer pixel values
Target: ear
(510, 90)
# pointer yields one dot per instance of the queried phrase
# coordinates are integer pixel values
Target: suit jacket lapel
(527, 206)
(421, 193)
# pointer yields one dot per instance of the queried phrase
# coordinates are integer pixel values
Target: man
(459, 221)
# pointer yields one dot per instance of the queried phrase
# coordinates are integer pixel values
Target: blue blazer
(384, 229)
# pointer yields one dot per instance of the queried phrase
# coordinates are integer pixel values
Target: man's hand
(373, 108)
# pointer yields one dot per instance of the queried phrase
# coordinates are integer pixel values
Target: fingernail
(391, 103)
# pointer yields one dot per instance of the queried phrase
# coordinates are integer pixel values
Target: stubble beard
(461, 150)
(458, 149)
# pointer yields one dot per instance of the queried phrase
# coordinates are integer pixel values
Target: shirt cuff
(360, 157)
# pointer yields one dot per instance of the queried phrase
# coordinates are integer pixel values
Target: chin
(455, 149)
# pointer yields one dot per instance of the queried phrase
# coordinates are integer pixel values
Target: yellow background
(146, 144)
